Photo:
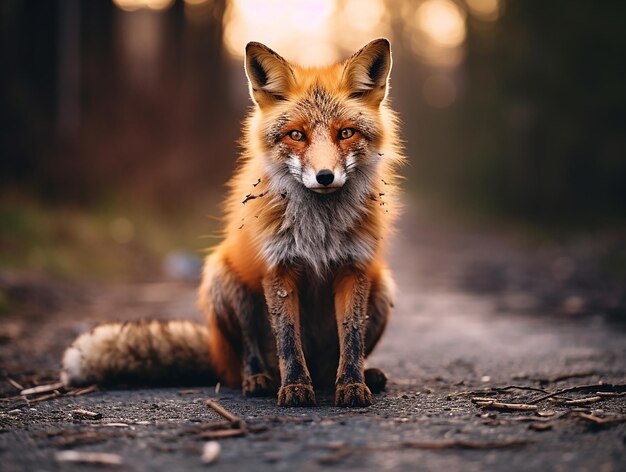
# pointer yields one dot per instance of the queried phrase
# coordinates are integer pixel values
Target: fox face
(320, 127)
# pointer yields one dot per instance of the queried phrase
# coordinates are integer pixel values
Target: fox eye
(346, 133)
(296, 135)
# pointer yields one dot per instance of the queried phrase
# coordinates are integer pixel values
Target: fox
(297, 294)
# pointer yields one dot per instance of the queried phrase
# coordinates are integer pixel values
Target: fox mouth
(325, 190)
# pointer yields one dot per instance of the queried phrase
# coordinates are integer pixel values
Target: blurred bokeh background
(120, 117)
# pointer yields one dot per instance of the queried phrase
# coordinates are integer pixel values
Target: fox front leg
(281, 294)
(352, 288)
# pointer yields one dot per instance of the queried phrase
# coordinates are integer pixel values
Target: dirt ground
(476, 311)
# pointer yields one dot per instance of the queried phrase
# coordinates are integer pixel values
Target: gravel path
(475, 311)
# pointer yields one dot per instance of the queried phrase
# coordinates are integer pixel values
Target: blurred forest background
(120, 117)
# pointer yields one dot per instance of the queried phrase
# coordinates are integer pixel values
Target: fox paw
(354, 394)
(296, 395)
(258, 385)
(375, 379)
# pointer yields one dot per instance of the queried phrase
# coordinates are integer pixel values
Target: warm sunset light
(132, 5)
(443, 21)
(277, 24)
(325, 29)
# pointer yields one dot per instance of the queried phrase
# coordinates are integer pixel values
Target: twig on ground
(103, 458)
(42, 389)
(220, 410)
(519, 387)
(86, 414)
(616, 388)
(603, 421)
(83, 391)
(610, 394)
(484, 399)
(583, 401)
(495, 405)
(43, 398)
(14, 384)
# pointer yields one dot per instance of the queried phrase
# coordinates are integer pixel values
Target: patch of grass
(105, 242)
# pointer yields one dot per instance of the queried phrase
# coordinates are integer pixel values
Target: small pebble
(211, 452)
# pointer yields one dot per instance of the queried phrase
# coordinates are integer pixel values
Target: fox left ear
(366, 73)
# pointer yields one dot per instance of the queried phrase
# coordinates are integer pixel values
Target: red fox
(297, 294)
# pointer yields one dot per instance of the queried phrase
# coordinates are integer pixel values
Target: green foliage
(109, 242)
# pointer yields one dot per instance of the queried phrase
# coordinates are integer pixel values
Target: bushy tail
(140, 353)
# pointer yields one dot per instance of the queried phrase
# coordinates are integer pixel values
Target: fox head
(321, 129)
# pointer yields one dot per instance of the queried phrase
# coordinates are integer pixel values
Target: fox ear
(367, 71)
(269, 75)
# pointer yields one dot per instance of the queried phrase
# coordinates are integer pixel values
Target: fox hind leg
(238, 314)
(379, 308)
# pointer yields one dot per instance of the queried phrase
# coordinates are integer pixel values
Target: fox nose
(325, 177)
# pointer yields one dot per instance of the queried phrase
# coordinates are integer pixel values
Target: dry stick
(617, 388)
(89, 457)
(497, 390)
(583, 401)
(466, 393)
(12, 399)
(43, 398)
(15, 384)
(41, 389)
(484, 399)
(519, 387)
(86, 414)
(506, 406)
(224, 413)
(598, 420)
(83, 391)
(610, 394)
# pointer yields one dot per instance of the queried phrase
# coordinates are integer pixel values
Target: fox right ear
(269, 75)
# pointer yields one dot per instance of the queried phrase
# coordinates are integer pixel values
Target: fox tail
(140, 353)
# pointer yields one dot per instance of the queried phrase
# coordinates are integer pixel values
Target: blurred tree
(545, 111)
(29, 81)
(105, 103)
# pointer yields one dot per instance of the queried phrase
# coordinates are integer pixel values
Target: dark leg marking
(351, 296)
(281, 294)
(239, 313)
